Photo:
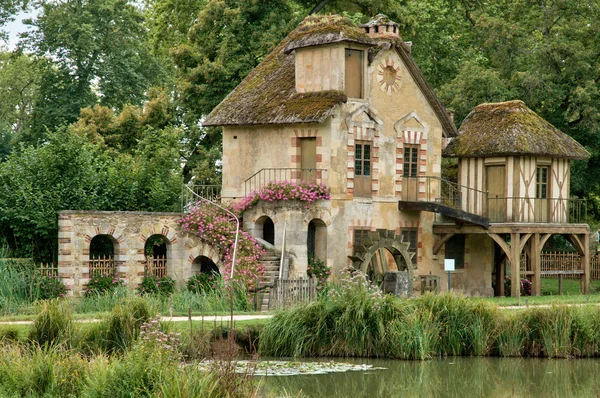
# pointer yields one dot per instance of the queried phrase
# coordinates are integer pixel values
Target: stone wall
(129, 232)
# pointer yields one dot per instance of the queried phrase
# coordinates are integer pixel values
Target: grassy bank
(129, 353)
(356, 320)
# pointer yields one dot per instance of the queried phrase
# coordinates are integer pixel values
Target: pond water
(462, 377)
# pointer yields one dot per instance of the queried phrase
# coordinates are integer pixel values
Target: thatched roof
(511, 129)
(268, 94)
(317, 30)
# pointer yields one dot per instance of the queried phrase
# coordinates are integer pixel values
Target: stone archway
(375, 250)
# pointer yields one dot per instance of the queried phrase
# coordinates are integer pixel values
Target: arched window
(102, 255)
(155, 251)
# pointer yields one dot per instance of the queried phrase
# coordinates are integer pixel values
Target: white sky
(15, 27)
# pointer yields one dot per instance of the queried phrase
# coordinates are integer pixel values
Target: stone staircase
(271, 260)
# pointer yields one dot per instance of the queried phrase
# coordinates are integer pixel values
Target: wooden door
(362, 168)
(410, 182)
(495, 177)
(308, 159)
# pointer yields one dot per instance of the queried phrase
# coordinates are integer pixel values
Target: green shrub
(50, 287)
(318, 269)
(205, 282)
(154, 285)
(101, 284)
(53, 324)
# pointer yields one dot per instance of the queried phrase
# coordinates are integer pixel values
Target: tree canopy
(102, 102)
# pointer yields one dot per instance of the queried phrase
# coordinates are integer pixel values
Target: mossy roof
(511, 129)
(268, 94)
(317, 30)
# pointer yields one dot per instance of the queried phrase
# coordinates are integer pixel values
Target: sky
(15, 27)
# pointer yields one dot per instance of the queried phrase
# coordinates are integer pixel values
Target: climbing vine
(217, 228)
(285, 190)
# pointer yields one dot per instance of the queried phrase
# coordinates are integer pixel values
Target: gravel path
(206, 318)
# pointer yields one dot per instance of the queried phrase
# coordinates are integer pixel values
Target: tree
(99, 53)
(8, 8)
(19, 83)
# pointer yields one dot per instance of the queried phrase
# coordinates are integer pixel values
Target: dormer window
(354, 73)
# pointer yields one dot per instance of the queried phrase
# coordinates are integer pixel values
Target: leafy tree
(19, 82)
(8, 8)
(99, 52)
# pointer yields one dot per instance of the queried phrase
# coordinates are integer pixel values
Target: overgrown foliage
(218, 228)
(357, 320)
(151, 284)
(101, 284)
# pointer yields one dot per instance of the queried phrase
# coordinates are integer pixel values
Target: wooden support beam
(515, 264)
(502, 243)
(524, 240)
(543, 239)
(536, 266)
(442, 241)
(585, 259)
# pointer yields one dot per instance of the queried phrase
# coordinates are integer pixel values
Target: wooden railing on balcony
(102, 265)
(192, 193)
(536, 210)
(264, 176)
(156, 266)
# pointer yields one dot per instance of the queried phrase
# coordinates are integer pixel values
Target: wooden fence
(156, 266)
(564, 262)
(288, 292)
(47, 269)
(102, 265)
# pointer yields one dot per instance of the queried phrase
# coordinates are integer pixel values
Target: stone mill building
(347, 106)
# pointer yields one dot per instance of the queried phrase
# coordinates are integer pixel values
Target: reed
(365, 325)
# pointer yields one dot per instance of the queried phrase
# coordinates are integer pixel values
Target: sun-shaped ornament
(387, 76)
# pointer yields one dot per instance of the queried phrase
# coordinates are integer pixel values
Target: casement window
(455, 249)
(362, 168)
(410, 235)
(354, 73)
(357, 238)
(411, 160)
(541, 184)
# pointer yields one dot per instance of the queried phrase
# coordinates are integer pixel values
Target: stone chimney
(381, 27)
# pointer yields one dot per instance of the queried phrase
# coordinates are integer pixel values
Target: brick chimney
(381, 27)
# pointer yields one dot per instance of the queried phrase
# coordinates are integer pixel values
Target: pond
(462, 377)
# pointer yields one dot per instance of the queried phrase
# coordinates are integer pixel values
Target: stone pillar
(65, 257)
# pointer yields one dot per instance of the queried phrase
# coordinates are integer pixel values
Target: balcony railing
(496, 209)
(436, 189)
(192, 193)
(536, 210)
(264, 176)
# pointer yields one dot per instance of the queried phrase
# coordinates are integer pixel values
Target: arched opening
(155, 251)
(102, 255)
(204, 265)
(265, 229)
(316, 240)
(206, 276)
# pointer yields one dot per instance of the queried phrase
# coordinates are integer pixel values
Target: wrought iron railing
(536, 210)
(192, 193)
(264, 176)
(436, 189)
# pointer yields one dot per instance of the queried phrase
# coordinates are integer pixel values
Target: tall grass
(359, 322)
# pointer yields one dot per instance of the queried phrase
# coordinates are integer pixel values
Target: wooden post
(560, 277)
(536, 264)
(585, 259)
(515, 264)
(500, 278)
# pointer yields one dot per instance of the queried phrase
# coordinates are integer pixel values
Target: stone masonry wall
(129, 232)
